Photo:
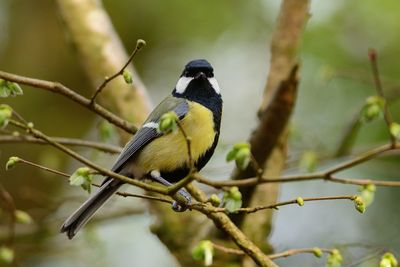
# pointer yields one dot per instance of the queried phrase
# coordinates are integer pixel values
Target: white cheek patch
(182, 84)
(151, 125)
(215, 85)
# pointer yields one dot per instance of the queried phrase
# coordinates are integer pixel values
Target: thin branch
(223, 222)
(326, 175)
(61, 89)
(123, 194)
(279, 204)
(4, 139)
(103, 171)
(139, 45)
(379, 89)
(287, 253)
(224, 249)
(43, 168)
(292, 252)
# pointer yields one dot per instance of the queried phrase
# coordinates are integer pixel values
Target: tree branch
(326, 175)
(61, 89)
(12, 139)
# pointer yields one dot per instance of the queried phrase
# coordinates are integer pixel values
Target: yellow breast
(170, 152)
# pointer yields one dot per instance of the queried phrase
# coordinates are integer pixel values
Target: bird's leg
(155, 175)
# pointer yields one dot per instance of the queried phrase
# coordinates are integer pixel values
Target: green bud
(127, 76)
(334, 259)
(243, 157)
(309, 161)
(233, 153)
(204, 251)
(373, 108)
(317, 252)
(4, 90)
(215, 200)
(82, 177)
(30, 125)
(6, 255)
(367, 193)
(23, 217)
(359, 204)
(167, 122)
(8, 88)
(140, 43)
(232, 199)
(14, 89)
(370, 187)
(395, 130)
(385, 263)
(300, 201)
(241, 145)
(12, 161)
(388, 260)
(5, 115)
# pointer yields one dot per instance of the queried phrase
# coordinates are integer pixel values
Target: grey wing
(147, 134)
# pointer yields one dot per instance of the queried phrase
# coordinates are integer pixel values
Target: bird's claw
(181, 207)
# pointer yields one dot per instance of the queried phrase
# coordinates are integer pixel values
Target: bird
(163, 157)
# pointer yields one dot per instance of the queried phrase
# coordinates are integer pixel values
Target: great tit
(164, 158)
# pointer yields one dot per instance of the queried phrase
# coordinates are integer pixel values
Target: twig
(123, 194)
(326, 175)
(103, 171)
(61, 89)
(282, 254)
(43, 167)
(279, 204)
(62, 140)
(228, 250)
(139, 45)
(378, 86)
(292, 252)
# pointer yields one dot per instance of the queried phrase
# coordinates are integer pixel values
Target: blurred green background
(234, 36)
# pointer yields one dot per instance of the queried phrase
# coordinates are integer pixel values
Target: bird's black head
(196, 67)
(197, 81)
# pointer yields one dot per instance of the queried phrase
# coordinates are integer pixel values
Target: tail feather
(82, 215)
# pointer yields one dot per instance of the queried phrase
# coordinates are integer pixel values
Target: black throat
(201, 91)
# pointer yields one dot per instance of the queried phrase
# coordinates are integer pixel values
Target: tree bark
(102, 54)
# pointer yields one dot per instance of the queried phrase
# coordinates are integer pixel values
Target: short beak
(200, 75)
